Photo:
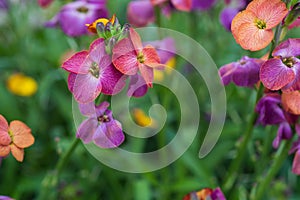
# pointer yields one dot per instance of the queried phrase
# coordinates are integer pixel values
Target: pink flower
(92, 73)
(129, 57)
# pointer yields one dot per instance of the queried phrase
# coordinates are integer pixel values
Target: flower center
(11, 136)
(140, 57)
(260, 24)
(94, 70)
(82, 9)
(103, 118)
(289, 62)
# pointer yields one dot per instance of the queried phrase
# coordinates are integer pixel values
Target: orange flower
(252, 28)
(14, 138)
(291, 102)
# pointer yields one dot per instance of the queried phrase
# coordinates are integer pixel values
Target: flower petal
(17, 152)
(3, 124)
(86, 88)
(272, 12)
(125, 58)
(109, 135)
(87, 109)
(140, 13)
(4, 150)
(296, 163)
(22, 136)
(87, 129)
(150, 55)
(74, 63)
(275, 75)
(112, 80)
(97, 51)
(182, 5)
(291, 102)
(147, 74)
(137, 86)
(295, 84)
(136, 39)
(288, 48)
(226, 71)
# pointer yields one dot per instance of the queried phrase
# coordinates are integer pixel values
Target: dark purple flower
(227, 16)
(202, 4)
(283, 71)
(284, 133)
(140, 13)
(137, 86)
(75, 15)
(100, 126)
(92, 73)
(296, 149)
(3, 5)
(242, 73)
(269, 110)
(217, 194)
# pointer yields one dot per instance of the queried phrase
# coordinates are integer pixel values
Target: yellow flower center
(82, 9)
(289, 62)
(140, 57)
(260, 24)
(94, 70)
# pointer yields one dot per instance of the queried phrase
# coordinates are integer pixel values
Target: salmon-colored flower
(291, 102)
(14, 138)
(252, 28)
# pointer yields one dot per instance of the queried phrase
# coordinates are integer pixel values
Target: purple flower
(140, 13)
(202, 4)
(269, 110)
(284, 133)
(73, 16)
(242, 73)
(100, 126)
(283, 71)
(5, 198)
(217, 194)
(227, 16)
(92, 73)
(206, 193)
(3, 5)
(137, 86)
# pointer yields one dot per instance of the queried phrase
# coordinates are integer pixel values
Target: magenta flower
(129, 57)
(296, 149)
(137, 86)
(283, 71)
(140, 13)
(100, 126)
(44, 3)
(182, 5)
(73, 16)
(206, 193)
(92, 73)
(202, 4)
(242, 73)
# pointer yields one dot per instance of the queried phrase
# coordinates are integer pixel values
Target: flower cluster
(279, 73)
(14, 137)
(117, 55)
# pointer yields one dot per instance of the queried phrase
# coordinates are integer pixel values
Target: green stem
(280, 157)
(62, 161)
(236, 163)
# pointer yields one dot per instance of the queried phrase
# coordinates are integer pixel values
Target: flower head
(92, 73)
(73, 16)
(140, 13)
(44, 3)
(245, 72)
(100, 126)
(206, 193)
(252, 28)
(283, 71)
(21, 85)
(291, 102)
(14, 138)
(93, 26)
(129, 57)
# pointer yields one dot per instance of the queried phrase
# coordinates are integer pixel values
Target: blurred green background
(27, 46)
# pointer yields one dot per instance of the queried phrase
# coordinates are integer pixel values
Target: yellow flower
(159, 74)
(21, 85)
(142, 119)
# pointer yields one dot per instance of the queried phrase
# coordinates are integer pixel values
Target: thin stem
(236, 163)
(280, 157)
(62, 161)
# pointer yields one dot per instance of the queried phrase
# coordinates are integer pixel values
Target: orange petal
(17, 152)
(22, 136)
(241, 18)
(291, 102)
(136, 39)
(271, 11)
(4, 150)
(254, 39)
(3, 124)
